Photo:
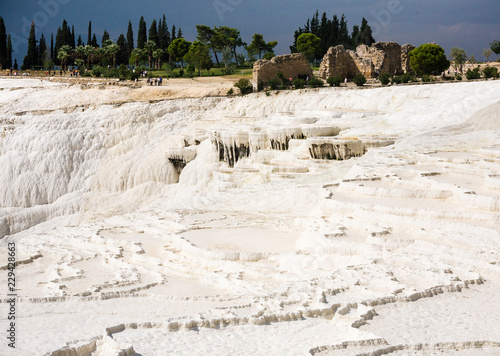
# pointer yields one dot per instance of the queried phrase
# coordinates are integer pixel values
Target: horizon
(448, 23)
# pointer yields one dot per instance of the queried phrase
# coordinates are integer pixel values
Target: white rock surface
(122, 249)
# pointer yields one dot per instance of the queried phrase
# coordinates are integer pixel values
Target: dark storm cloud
(469, 24)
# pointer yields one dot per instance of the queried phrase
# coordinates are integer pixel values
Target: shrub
(190, 69)
(490, 72)
(230, 91)
(428, 59)
(384, 78)
(458, 76)
(334, 80)
(473, 74)
(405, 78)
(268, 56)
(111, 73)
(396, 80)
(359, 80)
(426, 78)
(97, 71)
(316, 82)
(133, 75)
(299, 83)
(260, 85)
(244, 85)
(284, 81)
(273, 83)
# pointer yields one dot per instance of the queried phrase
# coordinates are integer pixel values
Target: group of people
(155, 81)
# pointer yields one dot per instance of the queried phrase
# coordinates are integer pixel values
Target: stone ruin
(381, 57)
(291, 65)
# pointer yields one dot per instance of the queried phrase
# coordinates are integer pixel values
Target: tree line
(160, 45)
(333, 32)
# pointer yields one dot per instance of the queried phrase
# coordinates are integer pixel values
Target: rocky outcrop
(405, 57)
(291, 65)
(381, 57)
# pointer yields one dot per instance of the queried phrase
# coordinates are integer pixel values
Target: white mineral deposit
(331, 221)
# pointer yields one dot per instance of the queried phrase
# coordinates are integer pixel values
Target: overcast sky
(468, 24)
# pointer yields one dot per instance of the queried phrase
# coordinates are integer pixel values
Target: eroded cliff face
(381, 57)
(291, 65)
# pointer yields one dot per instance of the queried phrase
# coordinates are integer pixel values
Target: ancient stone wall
(405, 57)
(381, 57)
(291, 65)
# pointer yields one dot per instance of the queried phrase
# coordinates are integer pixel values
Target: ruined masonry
(291, 65)
(381, 57)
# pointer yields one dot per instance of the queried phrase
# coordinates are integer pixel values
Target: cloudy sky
(468, 24)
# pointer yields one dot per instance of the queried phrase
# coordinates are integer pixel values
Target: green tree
(487, 52)
(157, 54)
(105, 37)
(199, 56)
(428, 59)
(31, 59)
(206, 35)
(231, 37)
(122, 55)
(149, 48)
(63, 55)
(89, 53)
(495, 47)
(365, 34)
(258, 45)
(130, 39)
(153, 32)
(111, 49)
(89, 33)
(142, 36)
(3, 45)
(42, 51)
(309, 45)
(9, 52)
(52, 47)
(458, 56)
(178, 49)
(80, 52)
(137, 56)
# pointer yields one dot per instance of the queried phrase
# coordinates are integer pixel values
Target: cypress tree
(163, 34)
(365, 34)
(42, 51)
(105, 37)
(3, 44)
(31, 59)
(15, 64)
(173, 37)
(122, 55)
(52, 47)
(130, 38)
(179, 33)
(73, 37)
(141, 34)
(343, 31)
(94, 41)
(79, 42)
(153, 32)
(58, 44)
(89, 34)
(9, 52)
(355, 36)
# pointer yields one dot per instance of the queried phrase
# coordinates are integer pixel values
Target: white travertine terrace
(177, 228)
